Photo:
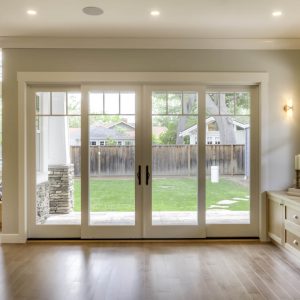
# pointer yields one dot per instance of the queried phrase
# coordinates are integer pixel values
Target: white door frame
(174, 231)
(41, 230)
(89, 231)
(26, 79)
(251, 229)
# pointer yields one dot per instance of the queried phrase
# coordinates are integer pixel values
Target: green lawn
(169, 194)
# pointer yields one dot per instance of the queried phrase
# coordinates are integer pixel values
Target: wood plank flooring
(181, 270)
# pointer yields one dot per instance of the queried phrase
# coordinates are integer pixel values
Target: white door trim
(207, 78)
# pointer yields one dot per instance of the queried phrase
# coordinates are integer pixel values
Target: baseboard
(101, 241)
(11, 238)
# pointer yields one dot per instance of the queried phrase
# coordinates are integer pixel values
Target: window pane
(242, 104)
(58, 103)
(127, 103)
(42, 104)
(112, 162)
(111, 103)
(159, 103)
(175, 103)
(74, 103)
(190, 103)
(96, 103)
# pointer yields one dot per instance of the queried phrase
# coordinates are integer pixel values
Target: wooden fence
(176, 160)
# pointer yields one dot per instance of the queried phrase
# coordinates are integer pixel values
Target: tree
(170, 122)
(189, 103)
(225, 124)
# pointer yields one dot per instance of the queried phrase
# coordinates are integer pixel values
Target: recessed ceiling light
(92, 10)
(155, 13)
(277, 13)
(31, 12)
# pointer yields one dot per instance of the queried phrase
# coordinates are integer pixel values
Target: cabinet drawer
(292, 215)
(292, 240)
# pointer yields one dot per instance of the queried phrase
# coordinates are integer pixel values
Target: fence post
(99, 163)
(189, 160)
(231, 161)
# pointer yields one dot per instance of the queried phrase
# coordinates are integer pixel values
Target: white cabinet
(276, 218)
(284, 220)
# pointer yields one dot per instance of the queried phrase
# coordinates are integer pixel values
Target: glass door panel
(112, 158)
(58, 200)
(173, 197)
(174, 158)
(232, 157)
(228, 157)
(112, 143)
(54, 141)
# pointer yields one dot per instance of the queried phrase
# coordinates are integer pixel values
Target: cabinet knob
(295, 242)
(295, 217)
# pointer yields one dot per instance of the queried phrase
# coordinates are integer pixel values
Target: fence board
(176, 160)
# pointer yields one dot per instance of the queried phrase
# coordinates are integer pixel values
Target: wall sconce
(287, 108)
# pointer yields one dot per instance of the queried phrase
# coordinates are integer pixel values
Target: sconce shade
(286, 108)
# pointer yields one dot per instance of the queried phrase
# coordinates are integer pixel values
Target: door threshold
(183, 240)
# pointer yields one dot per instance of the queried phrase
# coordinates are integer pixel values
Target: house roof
(122, 123)
(99, 132)
(208, 121)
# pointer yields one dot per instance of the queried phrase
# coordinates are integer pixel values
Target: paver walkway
(213, 216)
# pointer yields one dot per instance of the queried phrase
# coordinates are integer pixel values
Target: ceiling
(131, 19)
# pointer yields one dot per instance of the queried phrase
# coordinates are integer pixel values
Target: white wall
(281, 135)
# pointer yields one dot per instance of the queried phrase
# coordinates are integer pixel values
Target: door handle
(147, 175)
(139, 175)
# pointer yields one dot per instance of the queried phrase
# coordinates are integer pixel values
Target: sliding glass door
(232, 154)
(202, 155)
(109, 161)
(54, 176)
(174, 206)
(112, 192)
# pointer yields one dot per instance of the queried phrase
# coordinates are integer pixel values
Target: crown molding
(148, 43)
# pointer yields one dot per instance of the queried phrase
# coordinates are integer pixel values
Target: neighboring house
(121, 134)
(101, 134)
(213, 134)
(122, 126)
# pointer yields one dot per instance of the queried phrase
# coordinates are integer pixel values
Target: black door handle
(147, 175)
(139, 175)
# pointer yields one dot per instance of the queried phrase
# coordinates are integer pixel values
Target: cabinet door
(276, 219)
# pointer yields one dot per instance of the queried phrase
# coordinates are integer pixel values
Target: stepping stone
(222, 202)
(241, 199)
(218, 206)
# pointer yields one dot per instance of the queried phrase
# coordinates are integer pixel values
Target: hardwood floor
(181, 270)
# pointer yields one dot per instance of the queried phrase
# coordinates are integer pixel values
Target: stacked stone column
(61, 188)
(42, 202)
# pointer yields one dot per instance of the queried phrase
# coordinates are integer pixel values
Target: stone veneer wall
(42, 202)
(61, 188)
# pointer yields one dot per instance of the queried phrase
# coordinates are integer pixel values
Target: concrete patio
(213, 216)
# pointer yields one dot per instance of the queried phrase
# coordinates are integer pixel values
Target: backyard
(169, 194)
